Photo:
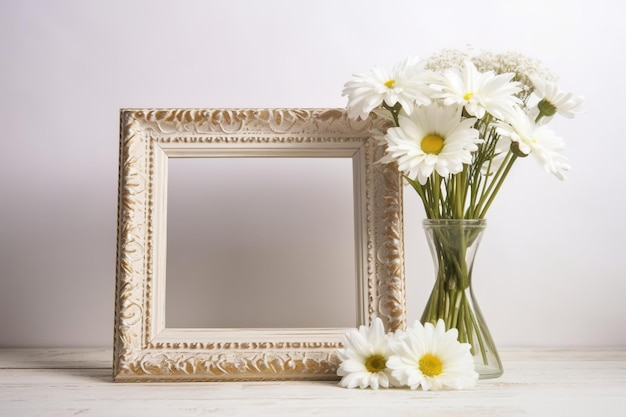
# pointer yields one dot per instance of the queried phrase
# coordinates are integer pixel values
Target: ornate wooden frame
(144, 350)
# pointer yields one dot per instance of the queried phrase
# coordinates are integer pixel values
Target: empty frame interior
(273, 246)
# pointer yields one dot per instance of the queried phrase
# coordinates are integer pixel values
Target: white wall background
(551, 268)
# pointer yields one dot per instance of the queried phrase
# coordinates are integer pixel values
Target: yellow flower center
(430, 365)
(468, 96)
(376, 363)
(432, 144)
(390, 83)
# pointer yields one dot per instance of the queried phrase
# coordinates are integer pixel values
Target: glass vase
(453, 244)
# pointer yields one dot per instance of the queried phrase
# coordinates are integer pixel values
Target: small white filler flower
(433, 358)
(432, 138)
(364, 357)
(407, 85)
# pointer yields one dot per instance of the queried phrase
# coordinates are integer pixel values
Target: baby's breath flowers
(522, 66)
(424, 356)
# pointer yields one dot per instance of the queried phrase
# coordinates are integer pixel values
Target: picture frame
(144, 348)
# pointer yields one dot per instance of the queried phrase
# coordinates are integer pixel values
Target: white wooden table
(536, 382)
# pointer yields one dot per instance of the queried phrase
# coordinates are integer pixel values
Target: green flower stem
(460, 195)
(487, 191)
(436, 187)
(458, 298)
(394, 110)
(499, 180)
(465, 323)
(479, 336)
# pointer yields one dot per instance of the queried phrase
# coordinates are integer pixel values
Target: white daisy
(529, 137)
(553, 101)
(364, 357)
(407, 84)
(432, 138)
(433, 358)
(480, 93)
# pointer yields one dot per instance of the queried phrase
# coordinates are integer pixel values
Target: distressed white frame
(144, 349)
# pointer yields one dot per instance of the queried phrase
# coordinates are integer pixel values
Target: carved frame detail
(144, 350)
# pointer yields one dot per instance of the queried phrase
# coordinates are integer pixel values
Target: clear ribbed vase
(453, 244)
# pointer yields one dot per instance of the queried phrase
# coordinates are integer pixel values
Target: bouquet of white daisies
(460, 122)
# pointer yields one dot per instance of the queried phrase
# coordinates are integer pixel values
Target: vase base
(488, 372)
